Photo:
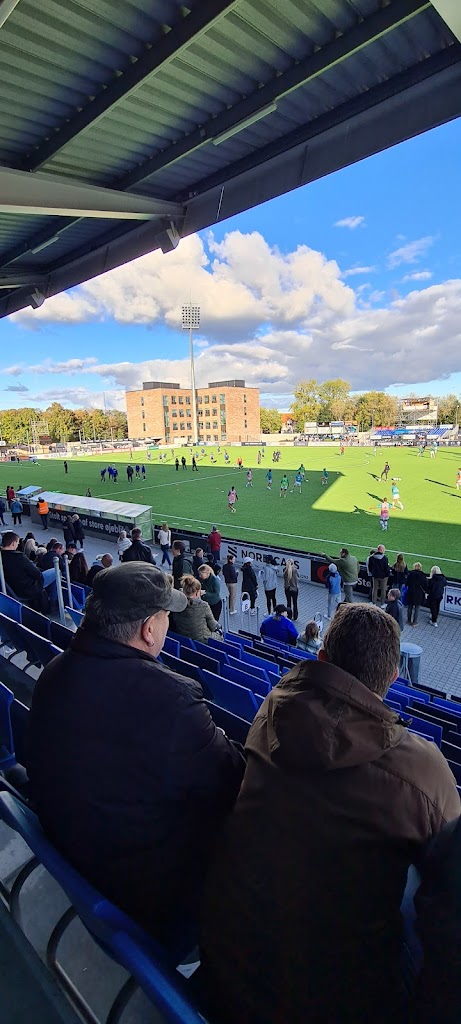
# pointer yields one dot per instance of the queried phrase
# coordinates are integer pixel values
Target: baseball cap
(332, 567)
(246, 560)
(135, 590)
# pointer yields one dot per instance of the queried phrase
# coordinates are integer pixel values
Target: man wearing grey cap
(130, 777)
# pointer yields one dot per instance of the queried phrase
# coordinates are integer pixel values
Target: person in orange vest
(43, 511)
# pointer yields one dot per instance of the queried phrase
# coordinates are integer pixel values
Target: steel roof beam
(205, 14)
(22, 278)
(6, 8)
(450, 11)
(300, 73)
(48, 195)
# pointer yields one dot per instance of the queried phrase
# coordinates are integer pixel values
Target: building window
(244, 398)
(223, 437)
(246, 424)
(142, 401)
(174, 414)
(173, 399)
(143, 414)
(214, 399)
(200, 423)
(216, 437)
(144, 427)
(222, 399)
(180, 400)
(207, 425)
(199, 399)
(208, 437)
(189, 427)
(187, 400)
(215, 425)
(181, 413)
(175, 426)
(207, 399)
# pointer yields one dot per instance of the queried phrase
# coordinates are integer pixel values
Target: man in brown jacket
(301, 923)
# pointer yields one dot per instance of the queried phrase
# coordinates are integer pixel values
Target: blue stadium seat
(234, 650)
(425, 727)
(451, 751)
(456, 769)
(402, 698)
(411, 691)
(199, 659)
(259, 698)
(19, 717)
(235, 728)
(184, 640)
(259, 650)
(76, 616)
(449, 705)
(38, 651)
(251, 667)
(252, 659)
(7, 753)
(60, 635)
(238, 675)
(433, 691)
(35, 621)
(176, 665)
(454, 720)
(78, 596)
(454, 737)
(10, 607)
(234, 638)
(250, 636)
(238, 699)
(215, 652)
(171, 646)
(392, 705)
(124, 941)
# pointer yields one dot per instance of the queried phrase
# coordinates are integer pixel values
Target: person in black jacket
(182, 563)
(55, 551)
(25, 580)
(69, 532)
(437, 584)
(230, 575)
(78, 530)
(378, 567)
(250, 583)
(197, 561)
(417, 588)
(130, 777)
(138, 552)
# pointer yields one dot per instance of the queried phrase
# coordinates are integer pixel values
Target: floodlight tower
(191, 322)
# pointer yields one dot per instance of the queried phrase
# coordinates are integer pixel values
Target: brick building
(226, 411)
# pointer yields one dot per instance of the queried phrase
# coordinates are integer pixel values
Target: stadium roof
(126, 125)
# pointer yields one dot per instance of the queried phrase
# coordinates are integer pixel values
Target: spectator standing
(164, 539)
(378, 567)
(436, 587)
(230, 577)
(182, 563)
(348, 568)
(211, 590)
(214, 543)
(394, 607)
(249, 583)
(78, 530)
(417, 589)
(310, 639)
(68, 530)
(197, 620)
(43, 511)
(123, 543)
(279, 627)
(66, 468)
(291, 587)
(337, 801)
(269, 577)
(2, 511)
(333, 585)
(197, 561)
(9, 495)
(138, 552)
(140, 827)
(16, 511)
(399, 572)
(100, 563)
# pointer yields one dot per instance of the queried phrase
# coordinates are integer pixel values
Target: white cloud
(20, 388)
(411, 252)
(267, 316)
(418, 275)
(352, 271)
(350, 222)
(81, 398)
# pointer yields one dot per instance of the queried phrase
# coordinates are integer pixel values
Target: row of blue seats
(36, 622)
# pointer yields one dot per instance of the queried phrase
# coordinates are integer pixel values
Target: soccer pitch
(320, 519)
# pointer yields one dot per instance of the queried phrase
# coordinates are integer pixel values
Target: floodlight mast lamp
(191, 322)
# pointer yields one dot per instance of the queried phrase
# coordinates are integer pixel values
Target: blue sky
(357, 275)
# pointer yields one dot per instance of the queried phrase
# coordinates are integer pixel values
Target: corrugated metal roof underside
(56, 58)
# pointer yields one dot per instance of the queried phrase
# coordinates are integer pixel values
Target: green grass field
(343, 512)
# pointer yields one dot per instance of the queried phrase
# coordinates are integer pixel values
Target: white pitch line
(296, 536)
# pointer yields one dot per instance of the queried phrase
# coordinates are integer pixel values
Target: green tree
(333, 396)
(448, 409)
(376, 409)
(306, 404)
(62, 423)
(271, 421)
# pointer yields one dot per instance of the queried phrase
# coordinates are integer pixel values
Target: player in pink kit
(232, 497)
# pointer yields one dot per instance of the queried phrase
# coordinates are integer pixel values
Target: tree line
(332, 400)
(27, 425)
